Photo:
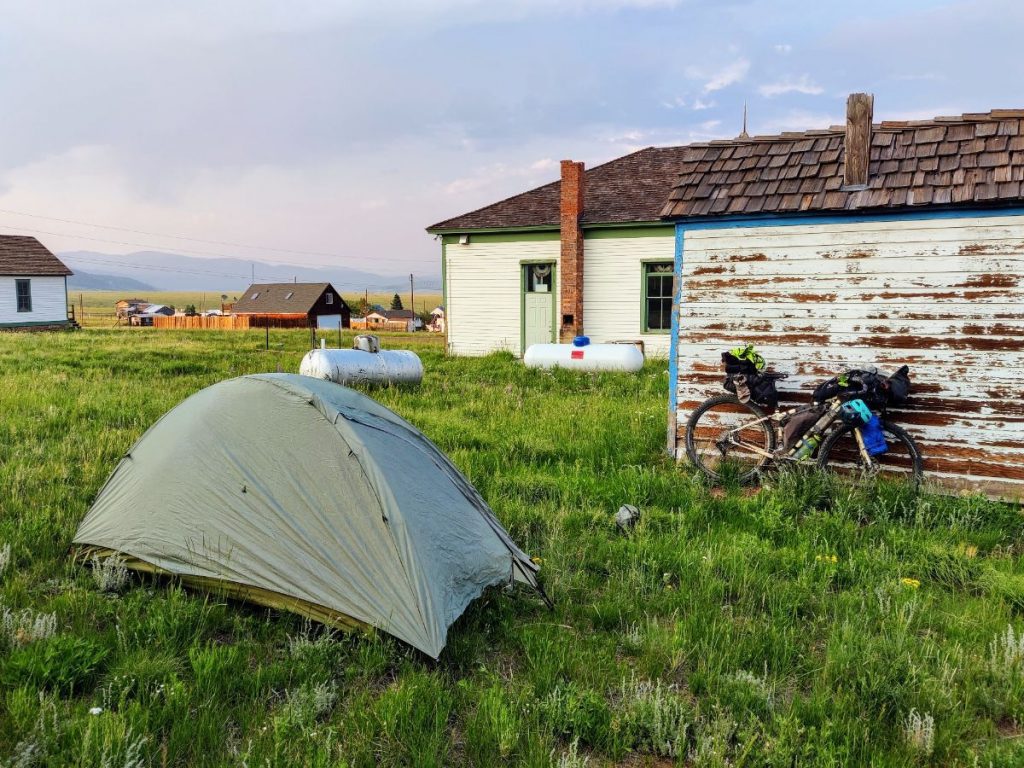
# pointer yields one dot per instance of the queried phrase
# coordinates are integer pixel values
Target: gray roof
(282, 298)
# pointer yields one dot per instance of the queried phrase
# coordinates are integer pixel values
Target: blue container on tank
(581, 341)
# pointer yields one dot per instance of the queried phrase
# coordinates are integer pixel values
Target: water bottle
(807, 447)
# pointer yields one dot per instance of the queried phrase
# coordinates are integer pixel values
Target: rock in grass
(627, 517)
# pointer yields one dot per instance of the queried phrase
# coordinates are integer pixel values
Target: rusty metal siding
(944, 295)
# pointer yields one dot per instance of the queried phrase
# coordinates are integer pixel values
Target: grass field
(99, 305)
(814, 623)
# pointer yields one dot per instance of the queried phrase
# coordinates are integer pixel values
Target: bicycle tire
(764, 428)
(912, 452)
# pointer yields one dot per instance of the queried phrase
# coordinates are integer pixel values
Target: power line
(173, 237)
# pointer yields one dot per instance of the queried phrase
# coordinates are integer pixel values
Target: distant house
(436, 324)
(313, 305)
(124, 308)
(33, 285)
(393, 320)
(144, 316)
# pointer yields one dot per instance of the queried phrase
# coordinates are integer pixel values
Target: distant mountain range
(91, 281)
(156, 271)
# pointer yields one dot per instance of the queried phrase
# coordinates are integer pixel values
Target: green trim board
(522, 300)
(644, 263)
(501, 237)
(444, 292)
(34, 323)
(591, 232)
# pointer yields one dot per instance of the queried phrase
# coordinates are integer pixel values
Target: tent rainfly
(304, 495)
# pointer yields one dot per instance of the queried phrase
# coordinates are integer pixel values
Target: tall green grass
(813, 623)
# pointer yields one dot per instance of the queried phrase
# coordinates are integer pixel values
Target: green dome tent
(307, 496)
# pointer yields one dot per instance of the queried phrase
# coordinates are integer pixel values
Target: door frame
(522, 300)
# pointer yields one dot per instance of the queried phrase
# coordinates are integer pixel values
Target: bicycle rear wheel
(901, 460)
(729, 439)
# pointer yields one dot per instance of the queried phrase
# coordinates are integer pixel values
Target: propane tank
(366, 363)
(581, 355)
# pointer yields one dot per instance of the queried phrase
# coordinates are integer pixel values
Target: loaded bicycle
(845, 425)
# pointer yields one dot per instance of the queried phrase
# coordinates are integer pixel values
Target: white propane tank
(367, 363)
(581, 355)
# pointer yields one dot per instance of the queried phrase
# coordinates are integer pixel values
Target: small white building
(436, 324)
(33, 285)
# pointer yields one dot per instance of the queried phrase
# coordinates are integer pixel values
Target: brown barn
(294, 305)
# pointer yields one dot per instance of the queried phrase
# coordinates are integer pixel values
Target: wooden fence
(229, 322)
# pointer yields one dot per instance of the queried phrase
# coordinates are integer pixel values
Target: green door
(538, 304)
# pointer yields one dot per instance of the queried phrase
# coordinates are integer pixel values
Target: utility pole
(412, 294)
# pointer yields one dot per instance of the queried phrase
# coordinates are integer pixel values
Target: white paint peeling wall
(945, 296)
(484, 293)
(613, 292)
(49, 301)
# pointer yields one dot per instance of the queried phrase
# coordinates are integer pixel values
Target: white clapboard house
(33, 285)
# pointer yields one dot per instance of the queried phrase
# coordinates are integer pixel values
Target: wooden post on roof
(859, 112)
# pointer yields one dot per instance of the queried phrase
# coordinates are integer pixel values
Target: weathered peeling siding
(613, 293)
(484, 293)
(49, 301)
(945, 296)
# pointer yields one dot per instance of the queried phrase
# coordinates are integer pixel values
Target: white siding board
(613, 291)
(484, 293)
(49, 301)
(945, 296)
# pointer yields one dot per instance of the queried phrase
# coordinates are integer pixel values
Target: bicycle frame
(780, 418)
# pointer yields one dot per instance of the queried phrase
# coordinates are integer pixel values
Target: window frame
(645, 266)
(27, 283)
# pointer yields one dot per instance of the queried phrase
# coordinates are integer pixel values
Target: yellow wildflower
(970, 550)
(912, 583)
(826, 558)
(537, 560)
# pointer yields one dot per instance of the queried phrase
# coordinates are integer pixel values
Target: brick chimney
(571, 267)
(859, 112)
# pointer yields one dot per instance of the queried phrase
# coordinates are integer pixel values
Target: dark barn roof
(21, 255)
(970, 159)
(974, 159)
(627, 190)
(282, 298)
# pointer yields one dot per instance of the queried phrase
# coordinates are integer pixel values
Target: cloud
(803, 84)
(699, 104)
(783, 48)
(728, 75)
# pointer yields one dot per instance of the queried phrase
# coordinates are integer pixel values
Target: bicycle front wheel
(729, 439)
(902, 459)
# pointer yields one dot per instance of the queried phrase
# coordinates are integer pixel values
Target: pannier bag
(745, 378)
(798, 425)
(875, 390)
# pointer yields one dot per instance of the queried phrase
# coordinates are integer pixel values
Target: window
(23, 290)
(329, 297)
(658, 277)
(289, 295)
(255, 296)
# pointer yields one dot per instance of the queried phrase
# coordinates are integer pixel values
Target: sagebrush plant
(26, 626)
(1006, 652)
(110, 573)
(730, 627)
(5, 557)
(919, 731)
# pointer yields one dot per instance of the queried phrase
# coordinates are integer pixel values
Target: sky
(332, 133)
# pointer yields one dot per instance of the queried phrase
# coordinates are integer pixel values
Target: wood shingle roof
(26, 256)
(971, 159)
